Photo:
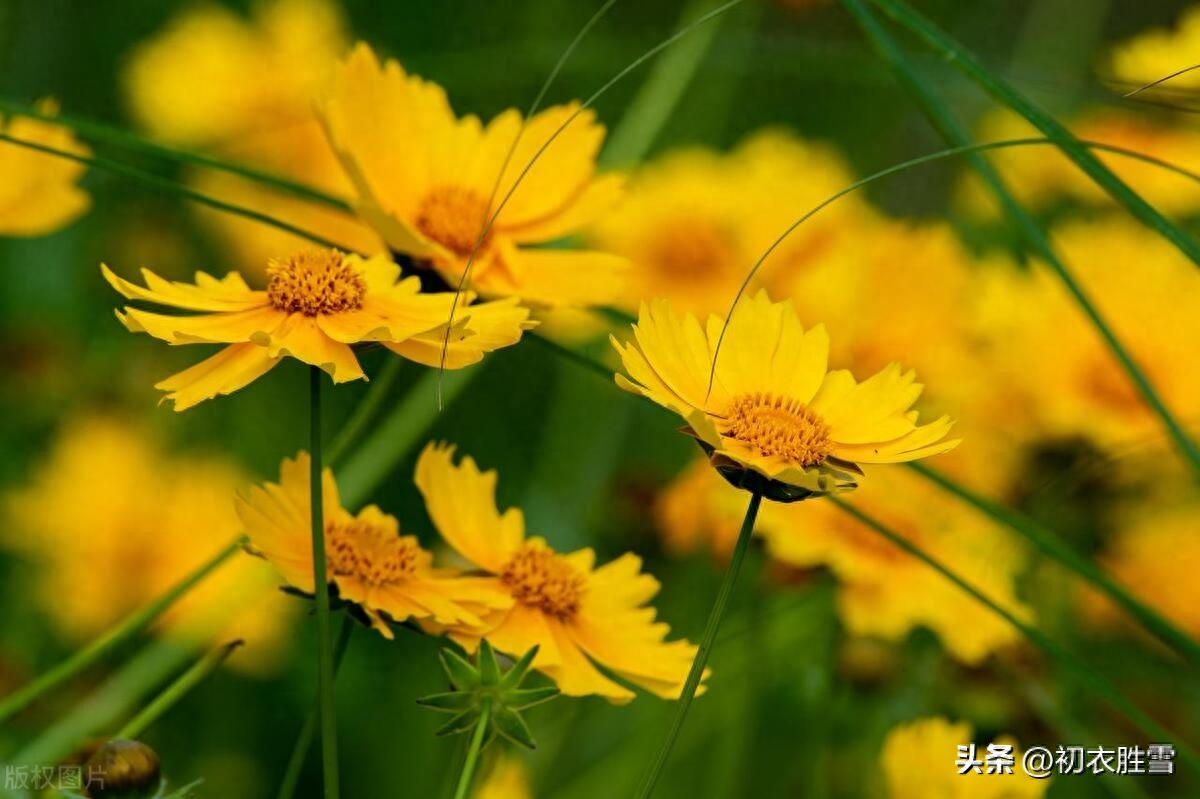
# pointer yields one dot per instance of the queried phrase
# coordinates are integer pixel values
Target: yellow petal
(461, 500)
(232, 368)
(208, 294)
(551, 277)
(218, 328)
(301, 337)
(486, 327)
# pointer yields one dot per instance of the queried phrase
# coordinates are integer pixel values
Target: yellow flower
(110, 522)
(424, 178)
(695, 222)
(39, 193)
(245, 89)
(1161, 52)
(389, 576)
(882, 592)
(508, 778)
(919, 757)
(578, 615)
(316, 305)
(1046, 348)
(774, 409)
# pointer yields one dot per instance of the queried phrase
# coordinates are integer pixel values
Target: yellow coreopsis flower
(317, 304)
(919, 762)
(111, 521)
(772, 407)
(424, 178)
(387, 575)
(39, 192)
(578, 614)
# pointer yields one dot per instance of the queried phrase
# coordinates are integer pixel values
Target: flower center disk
(315, 282)
(371, 553)
(453, 217)
(542, 579)
(778, 427)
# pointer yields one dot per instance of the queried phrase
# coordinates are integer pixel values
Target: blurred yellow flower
(1039, 175)
(694, 223)
(112, 522)
(919, 757)
(1156, 555)
(1160, 52)
(424, 178)
(508, 778)
(882, 591)
(774, 408)
(246, 88)
(1045, 347)
(317, 304)
(389, 576)
(578, 615)
(39, 193)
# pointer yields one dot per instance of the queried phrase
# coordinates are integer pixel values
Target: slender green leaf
(449, 702)
(180, 688)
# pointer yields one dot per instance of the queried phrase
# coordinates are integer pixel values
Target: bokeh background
(836, 640)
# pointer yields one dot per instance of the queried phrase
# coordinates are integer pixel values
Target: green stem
(114, 638)
(942, 118)
(962, 60)
(329, 760)
(291, 777)
(150, 179)
(1047, 542)
(108, 134)
(468, 771)
(1075, 666)
(705, 648)
(364, 413)
(177, 690)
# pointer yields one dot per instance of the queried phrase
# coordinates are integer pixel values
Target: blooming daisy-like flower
(39, 192)
(424, 178)
(774, 410)
(577, 614)
(317, 304)
(389, 576)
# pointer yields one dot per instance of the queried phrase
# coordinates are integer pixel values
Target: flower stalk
(706, 644)
(468, 772)
(328, 715)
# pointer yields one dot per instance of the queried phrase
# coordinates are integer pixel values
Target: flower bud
(124, 769)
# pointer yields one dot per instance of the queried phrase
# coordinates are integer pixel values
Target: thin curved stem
(113, 638)
(468, 772)
(291, 776)
(705, 648)
(328, 714)
(177, 690)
